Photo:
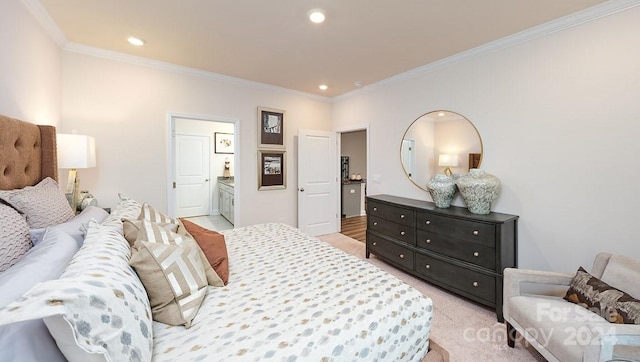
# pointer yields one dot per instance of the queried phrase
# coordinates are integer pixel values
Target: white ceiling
(273, 42)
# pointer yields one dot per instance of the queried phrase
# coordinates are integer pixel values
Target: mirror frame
(424, 188)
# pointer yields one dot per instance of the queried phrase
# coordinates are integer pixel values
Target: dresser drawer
(395, 214)
(467, 230)
(475, 253)
(399, 232)
(390, 250)
(469, 281)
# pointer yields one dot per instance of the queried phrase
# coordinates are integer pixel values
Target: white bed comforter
(292, 297)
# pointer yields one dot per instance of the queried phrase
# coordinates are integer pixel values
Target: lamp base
(447, 171)
(73, 186)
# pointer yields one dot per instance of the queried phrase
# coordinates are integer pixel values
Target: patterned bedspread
(292, 297)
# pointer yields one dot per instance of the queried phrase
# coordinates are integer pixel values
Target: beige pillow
(155, 233)
(174, 278)
(131, 229)
(43, 204)
(153, 215)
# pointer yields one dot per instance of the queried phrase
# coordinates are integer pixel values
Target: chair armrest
(513, 278)
(626, 337)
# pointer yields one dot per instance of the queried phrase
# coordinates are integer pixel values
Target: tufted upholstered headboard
(27, 153)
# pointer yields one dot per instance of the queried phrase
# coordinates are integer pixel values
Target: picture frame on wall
(271, 128)
(224, 142)
(272, 173)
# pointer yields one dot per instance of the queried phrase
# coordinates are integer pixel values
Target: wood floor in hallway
(354, 227)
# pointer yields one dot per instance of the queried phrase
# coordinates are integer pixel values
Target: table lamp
(447, 161)
(75, 151)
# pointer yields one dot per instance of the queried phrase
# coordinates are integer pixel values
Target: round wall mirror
(439, 142)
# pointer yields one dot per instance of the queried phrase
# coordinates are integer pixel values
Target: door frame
(171, 159)
(340, 131)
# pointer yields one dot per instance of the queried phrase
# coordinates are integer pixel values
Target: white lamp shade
(447, 160)
(76, 151)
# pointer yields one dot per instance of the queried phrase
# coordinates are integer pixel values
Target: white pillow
(98, 309)
(45, 261)
(43, 204)
(31, 340)
(75, 227)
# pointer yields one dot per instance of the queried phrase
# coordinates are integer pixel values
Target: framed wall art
(272, 170)
(271, 128)
(223, 142)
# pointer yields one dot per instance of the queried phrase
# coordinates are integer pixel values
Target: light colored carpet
(466, 330)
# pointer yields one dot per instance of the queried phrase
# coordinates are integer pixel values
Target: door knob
(206, 180)
(302, 190)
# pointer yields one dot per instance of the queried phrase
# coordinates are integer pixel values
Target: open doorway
(202, 171)
(353, 188)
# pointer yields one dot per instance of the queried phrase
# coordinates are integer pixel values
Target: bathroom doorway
(199, 167)
(354, 161)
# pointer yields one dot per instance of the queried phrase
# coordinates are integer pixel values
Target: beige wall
(558, 117)
(29, 67)
(126, 106)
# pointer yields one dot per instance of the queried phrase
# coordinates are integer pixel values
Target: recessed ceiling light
(136, 41)
(441, 114)
(316, 15)
(323, 87)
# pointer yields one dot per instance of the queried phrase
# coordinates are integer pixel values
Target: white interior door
(317, 182)
(193, 191)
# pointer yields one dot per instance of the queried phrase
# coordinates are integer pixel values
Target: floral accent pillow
(606, 301)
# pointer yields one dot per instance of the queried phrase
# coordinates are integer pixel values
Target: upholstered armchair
(567, 331)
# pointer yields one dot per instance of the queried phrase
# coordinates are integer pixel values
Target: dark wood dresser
(459, 251)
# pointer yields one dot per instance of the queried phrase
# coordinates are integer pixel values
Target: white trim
(607, 8)
(171, 195)
(46, 22)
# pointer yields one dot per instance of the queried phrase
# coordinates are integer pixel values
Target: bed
(288, 296)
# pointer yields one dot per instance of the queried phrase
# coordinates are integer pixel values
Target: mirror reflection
(439, 142)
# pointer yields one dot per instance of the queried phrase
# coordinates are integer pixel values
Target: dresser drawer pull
(402, 216)
(475, 284)
(402, 233)
(428, 241)
(374, 243)
(401, 256)
(428, 222)
(427, 266)
(375, 223)
(475, 253)
(475, 232)
(375, 209)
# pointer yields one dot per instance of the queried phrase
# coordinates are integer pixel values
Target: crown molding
(182, 70)
(46, 22)
(593, 13)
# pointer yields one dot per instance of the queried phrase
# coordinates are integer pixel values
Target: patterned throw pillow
(213, 246)
(126, 208)
(98, 307)
(14, 237)
(153, 215)
(43, 204)
(131, 228)
(155, 233)
(174, 278)
(599, 297)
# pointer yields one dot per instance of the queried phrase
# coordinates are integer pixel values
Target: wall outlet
(376, 178)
